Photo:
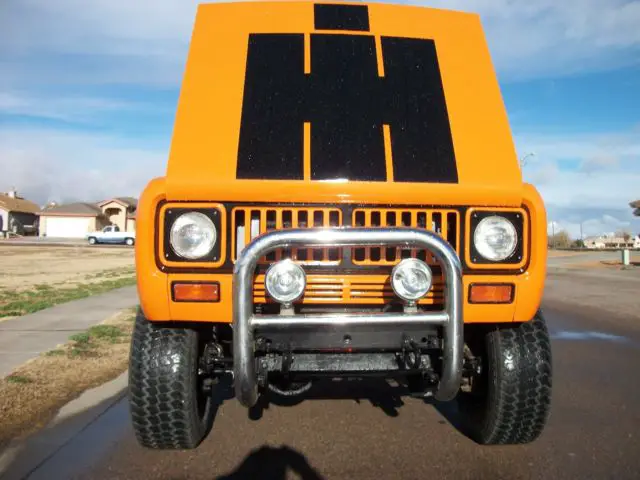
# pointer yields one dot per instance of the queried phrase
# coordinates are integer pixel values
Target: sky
(88, 92)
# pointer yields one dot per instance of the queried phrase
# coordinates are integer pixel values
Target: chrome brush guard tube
(245, 321)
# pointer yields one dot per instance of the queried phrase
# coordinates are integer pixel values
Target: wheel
(92, 241)
(129, 241)
(509, 401)
(169, 407)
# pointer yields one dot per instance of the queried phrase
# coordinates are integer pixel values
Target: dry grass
(34, 278)
(25, 267)
(33, 393)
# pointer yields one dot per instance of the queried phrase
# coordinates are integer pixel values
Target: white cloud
(52, 165)
(599, 162)
(77, 108)
(580, 146)
(594, 226)
(606, 172)
(145, 42)
(602, 177)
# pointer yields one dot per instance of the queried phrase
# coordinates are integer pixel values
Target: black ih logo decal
(346, 102)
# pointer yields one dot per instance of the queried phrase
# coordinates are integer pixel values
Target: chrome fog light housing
(193, 235)
(411, 279)
(285, 281)
(495, 238)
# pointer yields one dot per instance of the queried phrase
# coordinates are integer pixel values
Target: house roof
(73, 209)
(125, 201)
(18, 204)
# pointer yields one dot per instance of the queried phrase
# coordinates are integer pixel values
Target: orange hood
(316, 102)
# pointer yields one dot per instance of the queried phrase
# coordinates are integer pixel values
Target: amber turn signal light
(491, 293)
(196, 292)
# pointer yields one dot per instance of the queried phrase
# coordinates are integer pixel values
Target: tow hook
(411, 355)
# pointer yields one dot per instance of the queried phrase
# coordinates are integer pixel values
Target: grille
(352, 289)
(249, 222)
(444, 222)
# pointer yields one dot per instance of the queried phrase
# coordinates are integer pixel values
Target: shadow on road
(271, 463)
(377, 391)
(388, 397)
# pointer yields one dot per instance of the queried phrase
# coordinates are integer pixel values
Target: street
(592, 432)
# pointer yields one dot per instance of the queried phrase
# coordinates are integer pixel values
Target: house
(619, 242)
(17, 214)
(120, 211)
(75, 220)
(594, 242)
(612, 241)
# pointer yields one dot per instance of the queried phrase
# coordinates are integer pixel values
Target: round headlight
(495, 238)
(193, 235)
(285, 281)
(411, 279)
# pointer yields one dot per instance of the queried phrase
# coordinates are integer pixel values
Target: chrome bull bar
(245, 321)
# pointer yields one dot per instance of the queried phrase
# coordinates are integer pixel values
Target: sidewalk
(28, 336)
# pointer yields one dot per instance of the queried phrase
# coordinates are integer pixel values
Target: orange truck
(342, 199)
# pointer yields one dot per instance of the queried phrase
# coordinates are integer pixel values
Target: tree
(560, 239)
(624, 234)
(578, 243)
(636, 207)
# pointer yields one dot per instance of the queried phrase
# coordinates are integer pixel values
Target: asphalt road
(593, 432)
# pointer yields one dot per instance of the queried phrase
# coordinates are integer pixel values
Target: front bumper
(245, 321)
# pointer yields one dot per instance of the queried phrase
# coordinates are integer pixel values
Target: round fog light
(411, 279)
(285, 281)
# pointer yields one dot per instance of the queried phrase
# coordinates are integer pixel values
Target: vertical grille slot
(443, 222)
(452, 232)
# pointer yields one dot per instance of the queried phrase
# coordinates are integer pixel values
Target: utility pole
(553, 234)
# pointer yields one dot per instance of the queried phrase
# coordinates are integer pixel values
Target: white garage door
(67, 227)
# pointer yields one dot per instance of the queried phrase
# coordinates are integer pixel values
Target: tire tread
(162, 387)
(518, 390)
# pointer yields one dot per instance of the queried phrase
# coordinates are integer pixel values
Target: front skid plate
(340, 338)
(342, 363)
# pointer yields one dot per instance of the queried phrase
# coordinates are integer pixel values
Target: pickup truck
(352, 207)
(111, 234)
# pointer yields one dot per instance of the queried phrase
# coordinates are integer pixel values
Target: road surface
(593, 432)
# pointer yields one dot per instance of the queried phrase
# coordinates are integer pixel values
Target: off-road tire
(510, 400)
(169, 408)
